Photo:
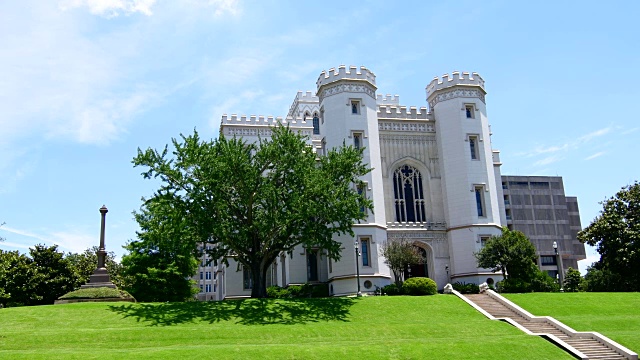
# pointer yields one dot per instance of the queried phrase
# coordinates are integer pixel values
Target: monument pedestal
(100, 278)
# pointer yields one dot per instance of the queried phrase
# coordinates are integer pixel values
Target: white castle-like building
(436, 181)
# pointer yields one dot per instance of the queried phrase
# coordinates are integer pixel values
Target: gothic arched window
(409, 195)
(316, 125)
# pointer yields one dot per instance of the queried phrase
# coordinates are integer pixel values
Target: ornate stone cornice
(423, 139)
(456, 92)
(348, 86)
(404, 126)
(263, 131)
(426, 236)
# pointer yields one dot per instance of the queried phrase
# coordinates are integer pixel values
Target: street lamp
(446, 268)
(355, 245)
(558, 265)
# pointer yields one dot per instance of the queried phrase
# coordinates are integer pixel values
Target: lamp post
(446, 268)
(558, 265)
(355, 244)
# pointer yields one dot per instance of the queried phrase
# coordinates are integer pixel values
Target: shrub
(97, 293)
(298, 291)
(391, 290)
(419, 286)
(512, 285)
(542, 282)
(465, 288)
(572, 280)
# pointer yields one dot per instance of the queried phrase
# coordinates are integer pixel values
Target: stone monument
(100, 277)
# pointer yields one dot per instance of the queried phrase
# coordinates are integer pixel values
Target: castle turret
(348, 113)
(469, 184)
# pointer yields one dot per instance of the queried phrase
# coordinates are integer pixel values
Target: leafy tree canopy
(399, 254)
(253, 201)
(37, 279)
(616, 235)
(511, 253)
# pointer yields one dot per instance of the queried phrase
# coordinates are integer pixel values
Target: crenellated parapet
(341, 73)
(352, 80)
(388, 99)
(235, 119)
(456, 78)
(306, 101)
(402, 112)
(457, 84)
(260, 125)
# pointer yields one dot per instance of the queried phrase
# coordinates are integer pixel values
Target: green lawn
(615, 315)
(440, 326)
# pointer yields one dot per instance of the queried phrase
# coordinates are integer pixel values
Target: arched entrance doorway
(418, 270)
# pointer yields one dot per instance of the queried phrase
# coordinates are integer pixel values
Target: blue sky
(84, 83)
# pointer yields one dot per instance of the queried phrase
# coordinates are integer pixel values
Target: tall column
(100, 277)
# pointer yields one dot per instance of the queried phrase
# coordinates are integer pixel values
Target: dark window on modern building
(548, 260)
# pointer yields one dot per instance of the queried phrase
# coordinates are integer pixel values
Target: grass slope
(440, 326)
(615, 315)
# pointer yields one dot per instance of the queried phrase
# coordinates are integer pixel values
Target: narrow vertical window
(201, 275)
(480, 201)
(312, 265)
(316, 125)
(364, 248)
(362, 191)
(247, 282)
(473, 147)
(469, 111)
(355, 107)
(483, 240)
(357, 140)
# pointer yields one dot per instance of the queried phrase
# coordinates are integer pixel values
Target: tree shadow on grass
(246, 312)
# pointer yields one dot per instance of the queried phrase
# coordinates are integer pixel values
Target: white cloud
(111, 8)
(590, 136)
(73, 241)
(598, 154)
(58, 82)
(630, 131)
(548, 160)
(220, 7)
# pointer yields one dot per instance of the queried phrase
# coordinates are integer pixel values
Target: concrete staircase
(583, 345)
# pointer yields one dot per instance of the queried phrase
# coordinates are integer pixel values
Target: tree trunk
(259, 280)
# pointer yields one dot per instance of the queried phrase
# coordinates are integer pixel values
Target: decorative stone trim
(402, 126)
(456, 93)
(352, 86)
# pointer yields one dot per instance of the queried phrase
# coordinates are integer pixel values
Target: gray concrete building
(538, 206)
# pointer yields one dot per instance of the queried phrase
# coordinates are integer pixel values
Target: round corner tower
(469, 184)
(348, 114)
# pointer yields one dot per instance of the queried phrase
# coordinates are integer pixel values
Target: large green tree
(18, 279)
(616, 235)
(398, 255)
(256, 201)
(161, 261)
(511, 253)
(55, 276)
